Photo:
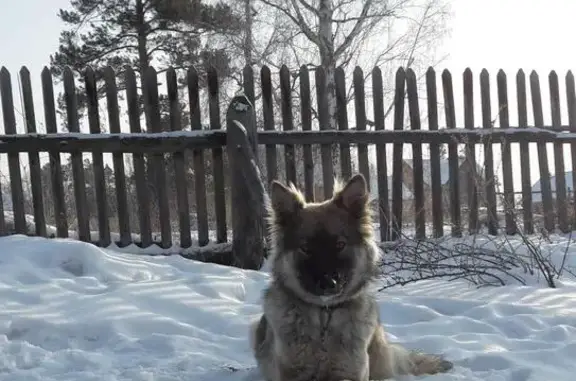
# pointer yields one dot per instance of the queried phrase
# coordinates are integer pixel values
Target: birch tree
(368, 33)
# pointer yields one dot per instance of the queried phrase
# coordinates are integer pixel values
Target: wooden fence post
(247, 188)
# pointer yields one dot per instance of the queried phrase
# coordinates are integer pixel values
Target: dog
(319, 321)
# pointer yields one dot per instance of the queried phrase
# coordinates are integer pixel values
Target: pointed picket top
(284, 71)
(192, 80)
(265, 74)
(45, 72)
(468, 77)
(484, 76)
(534, 75)
(553, 76)
(430, 71)
(446, 75)
(358, 72)
(109, 74)
(88, 71)
(24, 71)
(340, 72)
(5, 71)
(376, 74)
(502, 84)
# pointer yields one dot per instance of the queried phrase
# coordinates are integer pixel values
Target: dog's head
(323, 252)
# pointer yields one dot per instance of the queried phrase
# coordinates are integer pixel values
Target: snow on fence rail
(460, 193)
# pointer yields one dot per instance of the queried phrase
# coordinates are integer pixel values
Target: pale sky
(492, 34)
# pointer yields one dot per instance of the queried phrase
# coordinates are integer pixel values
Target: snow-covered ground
(72, 311)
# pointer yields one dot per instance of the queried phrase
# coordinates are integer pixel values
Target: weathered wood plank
(360, 108)
(198, 159)
(16, 188)
(97, 159)
(117, 159)
(269, 125)
(472, 175)
(306, 114)
(180, 175)
(417, 168)
(56, 177)
(217, 158)
(323, 121)
(490, 178)
(548, 207)
(528, 221)
(561, 205)
(435, 174)
(571, 105)
(453, 164)
(142, 192)
(342, 116)
(178, 141)
(287, 123)
(33, 157)
(381, 166)
(508, 179)
(248, 190)
(82, 211)
(397, 160)
(157, 159)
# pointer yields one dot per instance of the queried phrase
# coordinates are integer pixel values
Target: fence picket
(435, 173)
(381, 166)
(56, 176)
(561, 205)
(527, 216)
(217, 158)
(198, 160)
(268, 116)
(288, 123)
(472, 175)
(82, 211)
(306, 114)
(508, 180)
(117, 158)
(360, 106)
(33, 157)
(342, 116)
(397, 160)
(417, 166)
(454, 179)
(571, 105)
(548, 208)
(97, 159)
(142, 192)
(180, 175)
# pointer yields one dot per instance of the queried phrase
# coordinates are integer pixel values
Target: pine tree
(140, 33)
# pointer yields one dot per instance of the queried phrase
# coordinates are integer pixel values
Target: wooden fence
(150, 148)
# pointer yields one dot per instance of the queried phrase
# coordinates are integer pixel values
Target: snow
(73, 311)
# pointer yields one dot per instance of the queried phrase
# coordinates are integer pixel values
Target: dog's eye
(304, 248)
(340, 245)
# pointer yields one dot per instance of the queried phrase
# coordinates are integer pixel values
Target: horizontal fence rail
(169, 180)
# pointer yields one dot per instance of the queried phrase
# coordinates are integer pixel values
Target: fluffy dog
(320, 323)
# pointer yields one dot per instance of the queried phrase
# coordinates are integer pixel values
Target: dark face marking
(323, 264)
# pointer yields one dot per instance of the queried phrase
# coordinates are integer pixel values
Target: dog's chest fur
(319, 342)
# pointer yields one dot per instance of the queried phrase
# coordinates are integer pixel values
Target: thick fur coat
(320, 323)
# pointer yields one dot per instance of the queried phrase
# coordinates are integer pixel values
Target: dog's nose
(330, 282)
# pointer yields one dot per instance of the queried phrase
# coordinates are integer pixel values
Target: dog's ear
(354, 195)
(284, 200)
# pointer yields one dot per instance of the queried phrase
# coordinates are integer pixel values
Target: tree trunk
(143, 61)
(328, 62)
(248, 33)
